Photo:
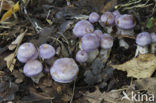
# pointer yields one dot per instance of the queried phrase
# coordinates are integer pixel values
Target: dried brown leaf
(110, 97)
(141, 67)
(10, 59)
(18, 40)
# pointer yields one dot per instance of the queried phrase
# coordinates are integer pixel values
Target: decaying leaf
(141, 67)
(6, 4)
(17, 41)
(150, 84)
(113, 96)
(10, 59)
(9, 13)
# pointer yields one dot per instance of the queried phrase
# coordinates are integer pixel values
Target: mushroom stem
(141, 50)
(126, 31)
(92, 55)
(123, 43)
(109, 29)
(153, 48)
(37, 78)
(104, 54)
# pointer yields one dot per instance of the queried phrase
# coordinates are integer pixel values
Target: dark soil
(47, 90)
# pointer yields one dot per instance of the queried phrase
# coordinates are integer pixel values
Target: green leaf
(149, 23)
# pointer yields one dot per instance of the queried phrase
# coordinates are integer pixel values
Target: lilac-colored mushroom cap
(107, 18)
(106, 41)
(94, 17)
(143, 39)
(98, 33)
(116, 13)
(153, 37)
(26, 51)
(89, 42)
(81, 56)
(46, 51)
(82, 27)
(64, 70)
(32, 68)
(125, 21)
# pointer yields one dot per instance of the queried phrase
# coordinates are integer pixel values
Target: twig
(1, 6)
(127, 4)
(34, 24)
(73, 91)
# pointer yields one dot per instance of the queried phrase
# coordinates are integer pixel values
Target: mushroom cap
(143, 39)
(153, 37)
(89, 42)
(106, 41)
(116, 13)
(64, 70)
(81, 56)
(32, 68)
(98, 33)
(94, 17)
(46, 51)
(26, 51)
(82, 27)
(107, 18)
(125, 21)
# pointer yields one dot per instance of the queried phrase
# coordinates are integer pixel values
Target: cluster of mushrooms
(65, 70)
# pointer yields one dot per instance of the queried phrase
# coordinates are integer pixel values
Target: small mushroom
(116, 13)
(107, 21)
(125, 25)
(82, 27)
(143, 39)
(26, 51)
(89, 42)
(106, 45)
(64, 70)
(32, 68)
(94, 17)
(81, 56)
(98, 33)
(153, 44)
(46, 51)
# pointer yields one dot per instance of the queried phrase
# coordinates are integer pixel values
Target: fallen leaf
(113, 96)
(9, 13)
(10, 59)
(109, 5)
(6, 4)
(141, 67)
(18, 40)
(150, 84)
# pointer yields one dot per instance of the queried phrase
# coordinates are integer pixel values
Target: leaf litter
(98, 81)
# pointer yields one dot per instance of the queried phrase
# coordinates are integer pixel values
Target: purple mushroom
(94, 17)
(46, 51)
(81, 56)
(106, 45)
(153, 45)
(125, 24)
(89, 42)
(116, 13)
(143, 39)
(64, 70)
(32, 68)
(82, 27)
(107, 21)
(98, 33)
(26, 51)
